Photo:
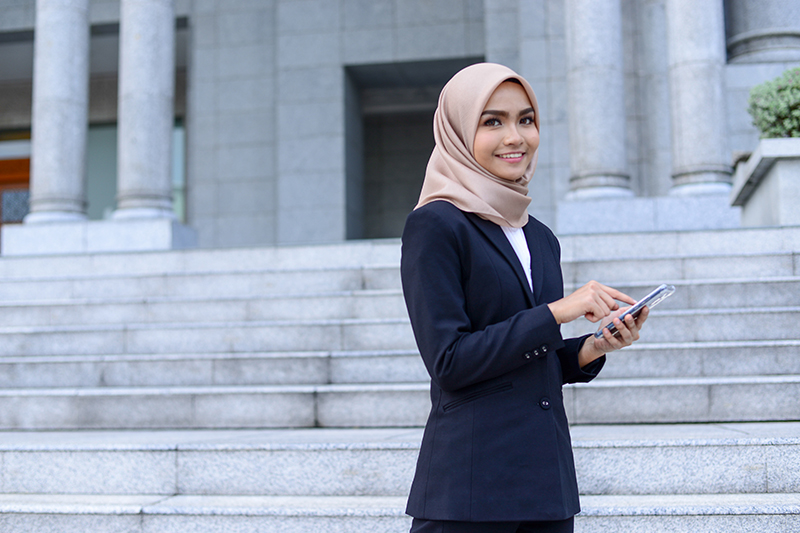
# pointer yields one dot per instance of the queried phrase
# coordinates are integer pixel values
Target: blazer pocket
(472, 396)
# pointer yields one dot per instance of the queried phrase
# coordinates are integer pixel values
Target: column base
(49, 217)
(594, 193)
(630, 215)
(96, 236)
(143, 212)
(700, 189)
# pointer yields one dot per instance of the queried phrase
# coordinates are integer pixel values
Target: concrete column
(696, 56)
(762, 30)
(146, 91)
(596, 91)
(60, 111)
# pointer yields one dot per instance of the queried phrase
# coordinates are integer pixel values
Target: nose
(512, 137)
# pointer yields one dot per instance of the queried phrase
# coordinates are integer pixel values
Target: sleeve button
(527, 355)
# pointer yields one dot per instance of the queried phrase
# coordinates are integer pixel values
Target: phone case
(651, 300)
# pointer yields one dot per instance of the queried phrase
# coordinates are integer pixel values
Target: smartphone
(651, 300)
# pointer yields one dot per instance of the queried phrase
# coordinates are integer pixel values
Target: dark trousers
(441, 526)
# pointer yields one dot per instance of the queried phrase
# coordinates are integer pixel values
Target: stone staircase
(279, 389)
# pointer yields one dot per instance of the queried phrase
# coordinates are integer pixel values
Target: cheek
(533, 139)
(483, 148)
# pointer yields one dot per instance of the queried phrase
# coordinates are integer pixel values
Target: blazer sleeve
(571, 371)
(456, 352)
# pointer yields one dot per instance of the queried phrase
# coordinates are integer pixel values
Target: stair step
(675, 400)
(207, 369)
(734, 266)
(250, 336)
(607, 401)
(644, 360)
(716, 293)
(345, 255)
(380, 405)
(732, 513)
(622, 460)
(688, 244)
(690, 513)
(385, 303)
(363, 304)
(710, 325)
(716, 270)
(698, 359)
(191, 285)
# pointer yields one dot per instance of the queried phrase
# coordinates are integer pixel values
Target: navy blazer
(496, 445)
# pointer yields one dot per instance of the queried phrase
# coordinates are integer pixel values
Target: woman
(483, 286)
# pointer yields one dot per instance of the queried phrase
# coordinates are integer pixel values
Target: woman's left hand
(627, 333)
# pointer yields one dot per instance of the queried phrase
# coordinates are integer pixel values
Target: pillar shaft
(696, 56)
(60, 111)
(598, 158)
(761, 31)
(146, 92)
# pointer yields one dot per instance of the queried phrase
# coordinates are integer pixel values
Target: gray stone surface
(624, 460)
(718, 399)
(60, 111)
(763, 31)
(252, 65)
(696, 55)
(190, 339)
(75, 237)
(704, 514)
(373, 406)
(766, 185)
(705, 359)
(266, 368)
(79, 471)
(598, 157)
(658, 214)
(146, 116)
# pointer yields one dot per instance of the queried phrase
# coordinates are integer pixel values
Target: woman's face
(507, 136)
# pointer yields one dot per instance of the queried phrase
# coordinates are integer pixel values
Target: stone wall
(276, 150)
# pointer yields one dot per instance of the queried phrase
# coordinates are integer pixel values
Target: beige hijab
(453, 174)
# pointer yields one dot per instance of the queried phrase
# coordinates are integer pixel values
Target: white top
(517, 239)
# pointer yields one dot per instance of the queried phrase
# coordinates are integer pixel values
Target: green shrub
(775, 106)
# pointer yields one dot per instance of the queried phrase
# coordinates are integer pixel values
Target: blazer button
(536, 353)
(544, 403)
(527, 355)
(544, 348)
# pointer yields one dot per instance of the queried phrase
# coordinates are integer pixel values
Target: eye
(492, 122)
(527, 120)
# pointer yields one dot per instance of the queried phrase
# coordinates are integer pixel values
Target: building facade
(166, 123)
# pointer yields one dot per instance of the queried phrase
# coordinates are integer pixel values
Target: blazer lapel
(537, 268)
(499, 240)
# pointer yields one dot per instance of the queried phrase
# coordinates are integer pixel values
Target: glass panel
(15, 205)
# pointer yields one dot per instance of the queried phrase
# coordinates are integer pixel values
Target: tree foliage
(775, 106)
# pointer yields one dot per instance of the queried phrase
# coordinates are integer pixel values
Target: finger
(625, 336)
(618, 295)
(608, 301)
(601, 307)
(642, 316)
(633, 327)
(633, 330)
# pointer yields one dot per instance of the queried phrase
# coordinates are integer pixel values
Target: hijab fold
(453, 174)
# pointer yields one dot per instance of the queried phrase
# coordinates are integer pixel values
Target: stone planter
(767, 185)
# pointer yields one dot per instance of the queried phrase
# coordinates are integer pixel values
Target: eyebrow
(505, 113)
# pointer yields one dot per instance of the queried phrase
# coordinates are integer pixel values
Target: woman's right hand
(593, 301)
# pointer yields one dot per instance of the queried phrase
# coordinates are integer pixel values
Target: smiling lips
(512, 157)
